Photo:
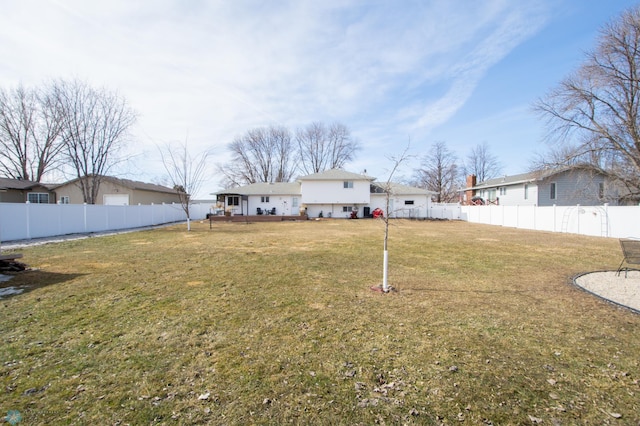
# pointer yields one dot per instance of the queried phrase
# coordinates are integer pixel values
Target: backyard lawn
(274, 323)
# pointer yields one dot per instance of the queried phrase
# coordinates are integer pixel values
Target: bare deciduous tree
(30, 123)
(95, 126)
(482, 163)
(387, 187)
(594, 113)
(323, 147)
(439, 173)
(185, 171)
(265, 154)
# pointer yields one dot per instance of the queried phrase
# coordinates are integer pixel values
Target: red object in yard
(378, 213)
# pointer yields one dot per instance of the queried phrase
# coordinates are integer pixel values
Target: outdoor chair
(631, 253)
(259, 211)
(273, 211)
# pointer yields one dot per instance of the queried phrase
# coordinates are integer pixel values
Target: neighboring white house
(333, 193)
(562, 187)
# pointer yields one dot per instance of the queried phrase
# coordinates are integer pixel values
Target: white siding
(515, 195)
(418, 209)
(330, 192)
(571, 189)
(282, 204)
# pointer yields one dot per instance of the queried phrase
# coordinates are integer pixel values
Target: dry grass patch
(272, 323)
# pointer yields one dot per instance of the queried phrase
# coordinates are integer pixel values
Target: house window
(552, 191)
(38, 197)
(346, 209)
(526, 191)
(601, 190)
(64, 199)
(264, 199)
(348, 184)
(233, 200)
(503, 190)
(408, 202)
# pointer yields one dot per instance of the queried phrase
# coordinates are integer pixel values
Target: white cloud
(213, 69)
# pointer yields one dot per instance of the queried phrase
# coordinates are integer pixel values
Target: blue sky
(462, 72)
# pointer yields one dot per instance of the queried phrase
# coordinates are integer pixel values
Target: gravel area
(615, 288)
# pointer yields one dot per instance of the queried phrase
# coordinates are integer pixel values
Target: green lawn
(276, 323)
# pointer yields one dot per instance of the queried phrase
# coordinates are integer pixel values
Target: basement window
(408, 202)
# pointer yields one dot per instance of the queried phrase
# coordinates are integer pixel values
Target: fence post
(85, 217)
(28, 220)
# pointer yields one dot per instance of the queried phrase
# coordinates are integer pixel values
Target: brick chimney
(469, 193)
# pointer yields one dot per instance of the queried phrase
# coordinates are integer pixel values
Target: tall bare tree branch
(323, 147)
(593, 114)
(95, 126)
(439, 172)
(482, 163)
(30, 125)
(264, 154)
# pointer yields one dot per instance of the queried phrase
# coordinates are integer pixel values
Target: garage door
(116, 199)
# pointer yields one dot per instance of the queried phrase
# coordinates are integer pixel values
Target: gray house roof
(19, 184)
(518, 179)
(132, 184)
(336, 174)
(262, 188)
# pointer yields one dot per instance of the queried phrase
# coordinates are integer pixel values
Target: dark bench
(631, 253)
(10, 257)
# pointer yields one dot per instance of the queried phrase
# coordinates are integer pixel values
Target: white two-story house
(334, 193)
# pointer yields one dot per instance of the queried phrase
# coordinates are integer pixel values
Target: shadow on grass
(28, 280)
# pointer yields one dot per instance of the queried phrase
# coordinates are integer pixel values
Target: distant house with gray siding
(561, 187)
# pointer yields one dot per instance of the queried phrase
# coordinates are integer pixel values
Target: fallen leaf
(535, 420)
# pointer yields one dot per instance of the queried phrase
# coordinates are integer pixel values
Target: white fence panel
(601, 221)
(26, 221)
(41, 220)
(14, 221)
(450, 211)
(624, 221)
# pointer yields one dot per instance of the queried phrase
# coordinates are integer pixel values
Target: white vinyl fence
(600, 221)
(27, 221)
